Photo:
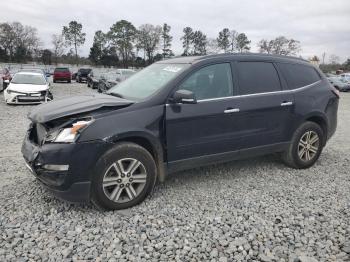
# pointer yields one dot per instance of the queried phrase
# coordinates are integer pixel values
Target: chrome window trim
(257, 94)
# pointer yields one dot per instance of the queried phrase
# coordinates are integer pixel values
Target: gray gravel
(254, 209)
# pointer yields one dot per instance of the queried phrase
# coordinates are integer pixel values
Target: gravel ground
(254, 209)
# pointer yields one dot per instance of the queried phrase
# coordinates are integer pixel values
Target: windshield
(147, 81)
(29, 79)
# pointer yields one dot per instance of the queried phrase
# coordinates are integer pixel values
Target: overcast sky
(320, 25)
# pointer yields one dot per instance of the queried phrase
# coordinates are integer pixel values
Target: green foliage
(242, 43)
(166, 41)
(224, 39)
(121, 35)
(187, 39)
(74, 36)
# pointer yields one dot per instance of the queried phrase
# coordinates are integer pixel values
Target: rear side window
(257, 77)
(298, 75)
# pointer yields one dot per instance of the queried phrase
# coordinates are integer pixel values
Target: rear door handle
(287, 103)
(231, 110)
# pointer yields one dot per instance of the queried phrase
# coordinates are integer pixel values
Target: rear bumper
(62, 78)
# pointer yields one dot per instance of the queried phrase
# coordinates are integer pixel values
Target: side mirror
(7, 81)
(184, 96)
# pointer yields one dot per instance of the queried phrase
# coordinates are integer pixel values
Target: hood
(74, 105)
(25, 88)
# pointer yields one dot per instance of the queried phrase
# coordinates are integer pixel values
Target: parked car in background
(123, 74)
(339, 83)
(28, 88)
(106, 81)
(82, 74)
(178, 114)
(345, 77)
(74, 76)
(5, 78)
(62, 74)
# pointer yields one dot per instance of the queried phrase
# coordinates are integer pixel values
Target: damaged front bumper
(65, 169)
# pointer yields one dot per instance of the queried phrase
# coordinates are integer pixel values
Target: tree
(58, 46)
(148, 37)
(187, 40)
(122, 35)
(265, 46)
(199, 42)
(233, 40)
(334, 59)
(19, 42)
(347, 64)
(98, 46)
(73, 35)
(46, 57)
(315, 60)
(242, 43)
(212, 46)
(224, 39)
(279, 46)
(166, 41)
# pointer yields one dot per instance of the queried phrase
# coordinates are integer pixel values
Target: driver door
(194, 131)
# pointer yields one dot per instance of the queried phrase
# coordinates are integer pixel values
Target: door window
(212, 81)
(257, 77)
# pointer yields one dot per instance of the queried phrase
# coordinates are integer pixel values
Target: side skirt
(194, 162)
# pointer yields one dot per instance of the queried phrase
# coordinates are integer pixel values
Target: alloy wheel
(308, 146)
(124, 180)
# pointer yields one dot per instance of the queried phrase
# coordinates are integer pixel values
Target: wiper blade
(115, 94)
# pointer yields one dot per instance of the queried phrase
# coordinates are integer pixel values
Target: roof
(234, 56)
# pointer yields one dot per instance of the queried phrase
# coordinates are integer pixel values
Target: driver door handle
(231, 110)
(289, 103)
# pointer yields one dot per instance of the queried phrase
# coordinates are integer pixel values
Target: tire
(54, 81)
(121, 188)
(69, 81)
(88, 84)
(300, 155)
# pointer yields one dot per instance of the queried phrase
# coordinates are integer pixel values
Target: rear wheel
(305, 147)
(124, 176)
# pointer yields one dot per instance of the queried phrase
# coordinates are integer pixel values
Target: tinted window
(257, 77)
(298, 75)
(61, 70)
(210, 82)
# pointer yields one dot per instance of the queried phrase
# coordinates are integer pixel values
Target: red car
(62, 74)
(5, 78)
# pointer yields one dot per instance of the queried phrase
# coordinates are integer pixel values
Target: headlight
(68, 134)
(8, 91)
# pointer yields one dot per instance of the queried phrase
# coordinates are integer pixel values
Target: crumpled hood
(26, 88)
(74, 105)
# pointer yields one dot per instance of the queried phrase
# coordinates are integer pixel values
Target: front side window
(298, 75)
(257, 77)
(212, 81)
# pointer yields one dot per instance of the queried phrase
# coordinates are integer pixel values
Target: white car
(123, 74)
(28, 88)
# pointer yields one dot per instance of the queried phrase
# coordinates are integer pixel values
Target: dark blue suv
(178, 114)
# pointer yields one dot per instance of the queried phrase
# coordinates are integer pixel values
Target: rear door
(265, 109)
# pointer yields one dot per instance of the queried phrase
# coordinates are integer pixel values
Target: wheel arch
(321, 120)
(150, 143)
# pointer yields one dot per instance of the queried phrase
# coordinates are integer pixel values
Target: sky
(319, 25)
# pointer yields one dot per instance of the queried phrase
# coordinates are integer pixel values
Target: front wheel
(305, 147)
(123, 178)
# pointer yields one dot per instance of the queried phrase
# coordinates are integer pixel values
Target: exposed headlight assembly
(68, 134)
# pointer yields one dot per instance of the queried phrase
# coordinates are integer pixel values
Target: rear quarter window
(298, 75)
(257, 77)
